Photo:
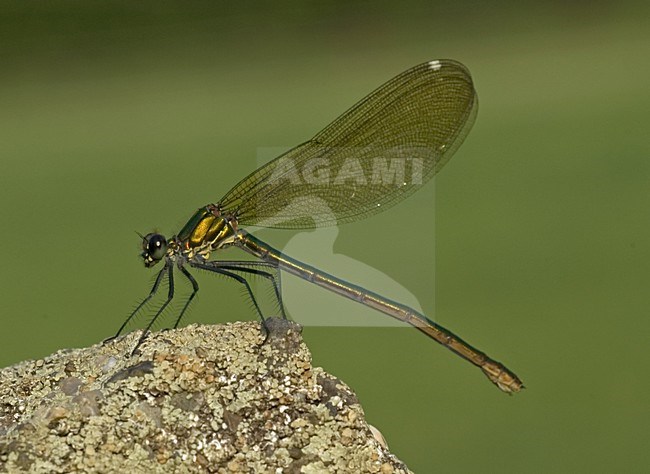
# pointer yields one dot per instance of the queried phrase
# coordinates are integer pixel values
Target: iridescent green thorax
(206, 231)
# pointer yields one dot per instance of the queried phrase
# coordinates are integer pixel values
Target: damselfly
(373, 156)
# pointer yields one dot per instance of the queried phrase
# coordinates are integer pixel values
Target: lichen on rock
(196, 399)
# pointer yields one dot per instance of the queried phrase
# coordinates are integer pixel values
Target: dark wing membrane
(374, 155)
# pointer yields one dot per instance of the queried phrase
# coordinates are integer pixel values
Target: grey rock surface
(196, 399)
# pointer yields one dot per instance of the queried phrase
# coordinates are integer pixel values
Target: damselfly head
(154, 248)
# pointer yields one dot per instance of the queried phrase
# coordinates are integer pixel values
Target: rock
(196, 399)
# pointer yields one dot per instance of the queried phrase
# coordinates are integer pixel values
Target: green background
(124, 116)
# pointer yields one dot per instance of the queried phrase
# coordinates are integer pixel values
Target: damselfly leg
(231, 269)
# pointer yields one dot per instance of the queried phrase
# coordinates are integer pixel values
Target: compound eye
(155, 245)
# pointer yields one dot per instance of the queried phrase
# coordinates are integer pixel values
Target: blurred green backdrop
(124, 116)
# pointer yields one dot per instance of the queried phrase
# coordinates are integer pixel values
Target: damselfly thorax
(206, 231)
